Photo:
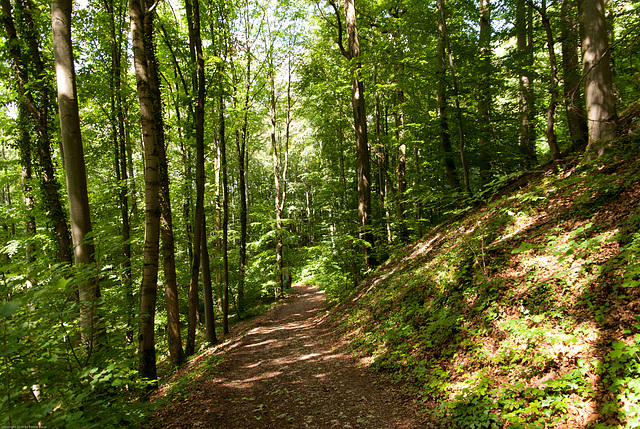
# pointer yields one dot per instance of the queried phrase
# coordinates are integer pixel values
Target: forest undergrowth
(521, 312)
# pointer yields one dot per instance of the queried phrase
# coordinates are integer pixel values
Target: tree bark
(524, 30)
(275, 157)
(176, 352)
(401, 167)
(598, 81)
(363, 168)
(185, 150)
(484, 100)
(209, 315)
(76, 175)
(200, 182)
(26, 174)
(553, 89)
(456, 93)
(574, 104)
(225, 219)
(141, 17)
(39, 111)
(120, 157)
(380, 154)
(443, 116)
(242, 186)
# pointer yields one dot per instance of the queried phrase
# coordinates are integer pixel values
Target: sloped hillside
(522, 312)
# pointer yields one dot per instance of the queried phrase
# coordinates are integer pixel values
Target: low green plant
(50, 377)
(620, 370)
(471, 410)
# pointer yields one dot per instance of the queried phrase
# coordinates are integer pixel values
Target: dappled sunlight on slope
(522, 312)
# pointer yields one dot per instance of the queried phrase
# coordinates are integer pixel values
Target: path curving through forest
(288, 370)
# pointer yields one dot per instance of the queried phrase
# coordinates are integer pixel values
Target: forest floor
(287, 368)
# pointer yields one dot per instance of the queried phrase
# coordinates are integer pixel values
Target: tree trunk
(120, 158)
(456, 93)
(242, 169)
(572, 76)
(484, 100)
(418, 185)
(5, 197)
(443, 116)
(176, 352)
(286, 281)
(363, 169)
(39, 112)
(26, 173)
(225, 219)
(242, 188)
(598, 82)
(186, 206)
(141, 17)
(380, 154)
(200, 182)
(209, 315)
(553, 89)
(76, 176)
(276, 183)
(526, 98)
(185, 150)
(401, 167)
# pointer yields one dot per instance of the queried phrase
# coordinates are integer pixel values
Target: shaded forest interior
(459, 177)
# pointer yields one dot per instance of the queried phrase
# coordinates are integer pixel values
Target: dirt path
(288, 371)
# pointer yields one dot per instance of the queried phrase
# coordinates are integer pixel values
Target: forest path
(288, 370)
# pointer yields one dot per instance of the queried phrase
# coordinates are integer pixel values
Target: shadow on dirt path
(288, 371)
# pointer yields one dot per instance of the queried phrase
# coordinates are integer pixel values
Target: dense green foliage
(52, 377)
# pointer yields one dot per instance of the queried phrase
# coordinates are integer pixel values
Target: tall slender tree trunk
(363, 168)
(141, 17)
(38, 108)
(76, 176)
(209, 315)
(380, 155)
(443, 116)
(553, 89)
(186, 189)
(418, 185)
(242, 188)
(456, 93)
(275, 157)
(26, 174)
(310, 214)
(185, 150)
(176, 352)
(241, 155)
(200, 183)
(485, 96)
(225, 218)
(5, 197)
(598, 79)
(119, 142)
(401, 166)
(287, 141)
(524, 30)
(574, 104)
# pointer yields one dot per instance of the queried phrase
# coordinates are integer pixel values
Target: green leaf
(524, 247)
(62, 283)
(9, 309)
